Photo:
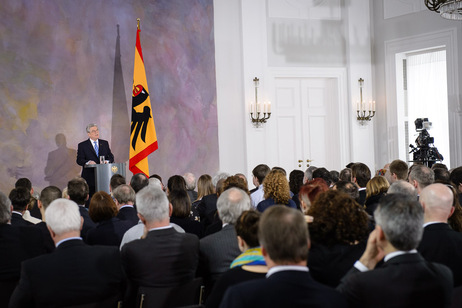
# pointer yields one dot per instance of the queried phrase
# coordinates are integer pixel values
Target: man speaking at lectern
(89, 153)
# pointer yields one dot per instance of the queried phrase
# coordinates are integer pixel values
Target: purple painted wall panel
(61, 69)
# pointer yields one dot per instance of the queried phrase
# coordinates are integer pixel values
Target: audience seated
(345, 175)
(17, 243)
(139, 181)
(405, 279)
(284, 240)
(204, 188)
(398, 170)
(335, 176)
(349, 188)
(456, 179)
(323, 173)
(32, 213)
(190, 180)
(421, 176)
(308, 194)
(295, 182)
(74, 274)
(338, 233)
(207, 207)
(124, 198)
(259, 173)
(376, 188)
(109, 229)
(182, 214)
(309, 174)
(78, 191)
(116, 181)
(219, 249)
(439, 242)
(360, 175)
(402, 187)
(20, 198)
(48, 195)
(441, 175)
(249, 265)
(276, 189)
(164, 258)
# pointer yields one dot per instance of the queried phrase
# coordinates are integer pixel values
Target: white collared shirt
(161, 228)
(68, 239)
(257, 196)
(281, 268)
(433, 222)
(361, 267)
(126, 205)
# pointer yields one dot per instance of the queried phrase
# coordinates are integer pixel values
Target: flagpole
(138, 22)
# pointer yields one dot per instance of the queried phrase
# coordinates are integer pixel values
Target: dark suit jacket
(217, 251)
(362, 197)
(17, 220)
(164, 258)
(128, 213)
(86, 152)
(443, 245)
(283, 289)
(88, 224)
(108, 232)
(73, 274)
(403, 281)
(207, 209)
(47, 240)
(17, 244)
(328, 264)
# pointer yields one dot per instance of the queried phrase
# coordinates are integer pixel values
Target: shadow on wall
(61, 166)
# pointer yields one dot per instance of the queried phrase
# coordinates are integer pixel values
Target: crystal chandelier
(449, 9)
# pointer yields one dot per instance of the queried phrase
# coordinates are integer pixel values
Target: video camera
(424, 152)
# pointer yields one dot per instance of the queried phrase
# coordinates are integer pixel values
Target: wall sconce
(363, 108)
(258, 109)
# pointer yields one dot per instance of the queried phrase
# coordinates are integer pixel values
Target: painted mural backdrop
(67, 63)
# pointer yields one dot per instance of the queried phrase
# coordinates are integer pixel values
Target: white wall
(251, 39)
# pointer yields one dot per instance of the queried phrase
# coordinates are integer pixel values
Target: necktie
(96, 148)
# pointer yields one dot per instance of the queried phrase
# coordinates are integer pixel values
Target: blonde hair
(378, 184)
(276, 186)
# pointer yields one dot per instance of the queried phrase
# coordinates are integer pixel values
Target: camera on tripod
(424, 152)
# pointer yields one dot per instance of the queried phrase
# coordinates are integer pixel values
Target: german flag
(143, 138)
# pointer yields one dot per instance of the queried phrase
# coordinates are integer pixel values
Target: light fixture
(449, 9)
(262, 111)
(364, 111)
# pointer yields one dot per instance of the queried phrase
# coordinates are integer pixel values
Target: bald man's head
(437, 202)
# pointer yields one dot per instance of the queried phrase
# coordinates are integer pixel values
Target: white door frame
(447, 38)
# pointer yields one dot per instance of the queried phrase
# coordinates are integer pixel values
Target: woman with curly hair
(338, 233)
(376, 188)
(276, 188)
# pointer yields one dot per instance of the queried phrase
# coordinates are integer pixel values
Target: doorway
(422, 94)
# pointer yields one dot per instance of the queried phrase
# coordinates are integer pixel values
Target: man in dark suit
(75, 273)
(190, 180)
(164, 258)
(20, 198)
(77, 190)
(360, 175)
(17, 243)
(405, 279)
(219, 249)
(48, 195)
(89, 153)
(284, 240)
(439, 242)
(124, 197)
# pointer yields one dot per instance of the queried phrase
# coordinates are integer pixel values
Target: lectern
(103, 174)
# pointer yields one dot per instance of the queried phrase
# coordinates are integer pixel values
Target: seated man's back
(74, 273)
(165, 257)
